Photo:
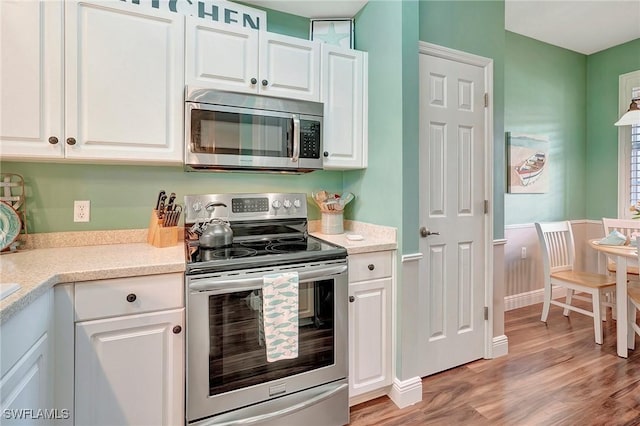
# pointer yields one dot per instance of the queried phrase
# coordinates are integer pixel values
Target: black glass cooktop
(252, 253)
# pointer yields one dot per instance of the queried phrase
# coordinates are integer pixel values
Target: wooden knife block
(160, 236)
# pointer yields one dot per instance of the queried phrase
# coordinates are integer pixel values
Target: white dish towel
(280, 313)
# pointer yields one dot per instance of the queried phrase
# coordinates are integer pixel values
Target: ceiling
(585, 26)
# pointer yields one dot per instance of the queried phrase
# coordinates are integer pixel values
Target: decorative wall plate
(10, 225)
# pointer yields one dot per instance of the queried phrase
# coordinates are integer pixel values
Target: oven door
(230, 137)
(227, 366)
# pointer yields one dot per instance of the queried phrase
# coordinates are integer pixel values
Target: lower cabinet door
(130, 370)
(24, 389)
(369, 336)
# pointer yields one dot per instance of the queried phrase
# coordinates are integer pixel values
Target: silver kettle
(216, 234)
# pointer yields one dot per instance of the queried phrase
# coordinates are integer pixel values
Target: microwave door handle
(296, 137)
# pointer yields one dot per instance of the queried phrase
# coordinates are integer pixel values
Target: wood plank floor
(555, 374)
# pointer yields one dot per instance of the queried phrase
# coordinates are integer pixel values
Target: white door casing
(626, 85)
(455, 181)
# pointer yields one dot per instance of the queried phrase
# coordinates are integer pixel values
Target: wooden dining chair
(626, 227)
(558, 258)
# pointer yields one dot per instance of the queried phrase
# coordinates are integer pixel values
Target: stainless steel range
(230, 378)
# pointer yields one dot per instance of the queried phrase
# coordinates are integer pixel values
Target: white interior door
(452, 194)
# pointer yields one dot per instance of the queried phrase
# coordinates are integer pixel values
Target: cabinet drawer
(125, 296)
(369, 266)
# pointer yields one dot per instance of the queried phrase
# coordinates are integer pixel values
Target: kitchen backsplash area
(121, 196)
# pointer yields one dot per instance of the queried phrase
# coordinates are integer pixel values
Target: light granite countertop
(38, 270)
(374, 237)
(64, 257)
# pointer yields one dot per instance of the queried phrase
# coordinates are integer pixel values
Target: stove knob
(197, 206)
(297, 203)
(276, 204)
(287, 204)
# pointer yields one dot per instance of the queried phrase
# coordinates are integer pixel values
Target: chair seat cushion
(587, 279)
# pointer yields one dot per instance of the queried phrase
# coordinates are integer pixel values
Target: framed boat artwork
(528, 163)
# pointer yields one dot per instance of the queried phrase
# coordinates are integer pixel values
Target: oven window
(215, 132)
(237, 353)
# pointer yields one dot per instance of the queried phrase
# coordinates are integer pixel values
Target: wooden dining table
(622, 255)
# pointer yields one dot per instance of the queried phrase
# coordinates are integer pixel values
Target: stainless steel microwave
(236, 131)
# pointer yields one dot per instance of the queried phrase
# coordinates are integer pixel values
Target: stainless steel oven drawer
(326, 405)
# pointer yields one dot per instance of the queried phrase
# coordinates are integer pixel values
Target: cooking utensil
(161, 206)
(160, 194)
(217, 234)
(170, 204)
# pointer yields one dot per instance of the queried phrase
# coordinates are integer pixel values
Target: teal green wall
(603, 70)
(379, 187)
(545, 94)
(475, 27)
(285, 23)
(122, 196)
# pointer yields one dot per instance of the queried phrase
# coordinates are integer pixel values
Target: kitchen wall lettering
(215, 10)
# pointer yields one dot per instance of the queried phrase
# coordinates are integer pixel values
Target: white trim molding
(500, 242)
(500, 346)
(413, 257)
(407, 392)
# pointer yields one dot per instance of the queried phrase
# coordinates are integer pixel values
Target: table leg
(621, 305)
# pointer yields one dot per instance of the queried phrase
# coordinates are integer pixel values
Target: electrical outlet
(523, 253)
(81, 211)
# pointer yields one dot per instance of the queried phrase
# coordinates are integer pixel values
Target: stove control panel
(236, 207)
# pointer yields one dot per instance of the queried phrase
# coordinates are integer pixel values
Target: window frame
(626, 84)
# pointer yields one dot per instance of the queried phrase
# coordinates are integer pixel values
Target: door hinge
(486, 100)
(486, 313)
(486, 206)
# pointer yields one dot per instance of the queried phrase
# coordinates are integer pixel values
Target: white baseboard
(359, 399)
(530, 298)
(407, 392)
(500, 346)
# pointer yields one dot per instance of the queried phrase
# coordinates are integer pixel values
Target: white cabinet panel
(221, 56)
(290, 67)
(345, 94)
(98, 81)
(370, 336)
(130, 370)
(124, 82)
(370, 324)
(31, 76)
(25, 382)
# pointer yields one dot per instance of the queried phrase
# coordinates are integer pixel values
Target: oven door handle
(260, 418)
(242, 284)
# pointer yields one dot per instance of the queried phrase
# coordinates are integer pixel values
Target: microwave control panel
(309, 139)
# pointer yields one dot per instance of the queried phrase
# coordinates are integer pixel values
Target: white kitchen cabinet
(25, 384)
(129, 352)
(223, 57)
(123, 82)
(31, 79)
(345, 98)
(370, 322)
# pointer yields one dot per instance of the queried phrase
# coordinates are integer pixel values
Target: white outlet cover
(81, 211)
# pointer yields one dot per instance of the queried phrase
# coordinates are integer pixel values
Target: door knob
(254, 81)
(71, 141)
(53, 140)
(352, 299)
(424, 232)
(265, 82)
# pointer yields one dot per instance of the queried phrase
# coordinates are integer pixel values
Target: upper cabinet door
(31, 108)
(124, 82)
(289, 67)
(345, 94)
(221, 56)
